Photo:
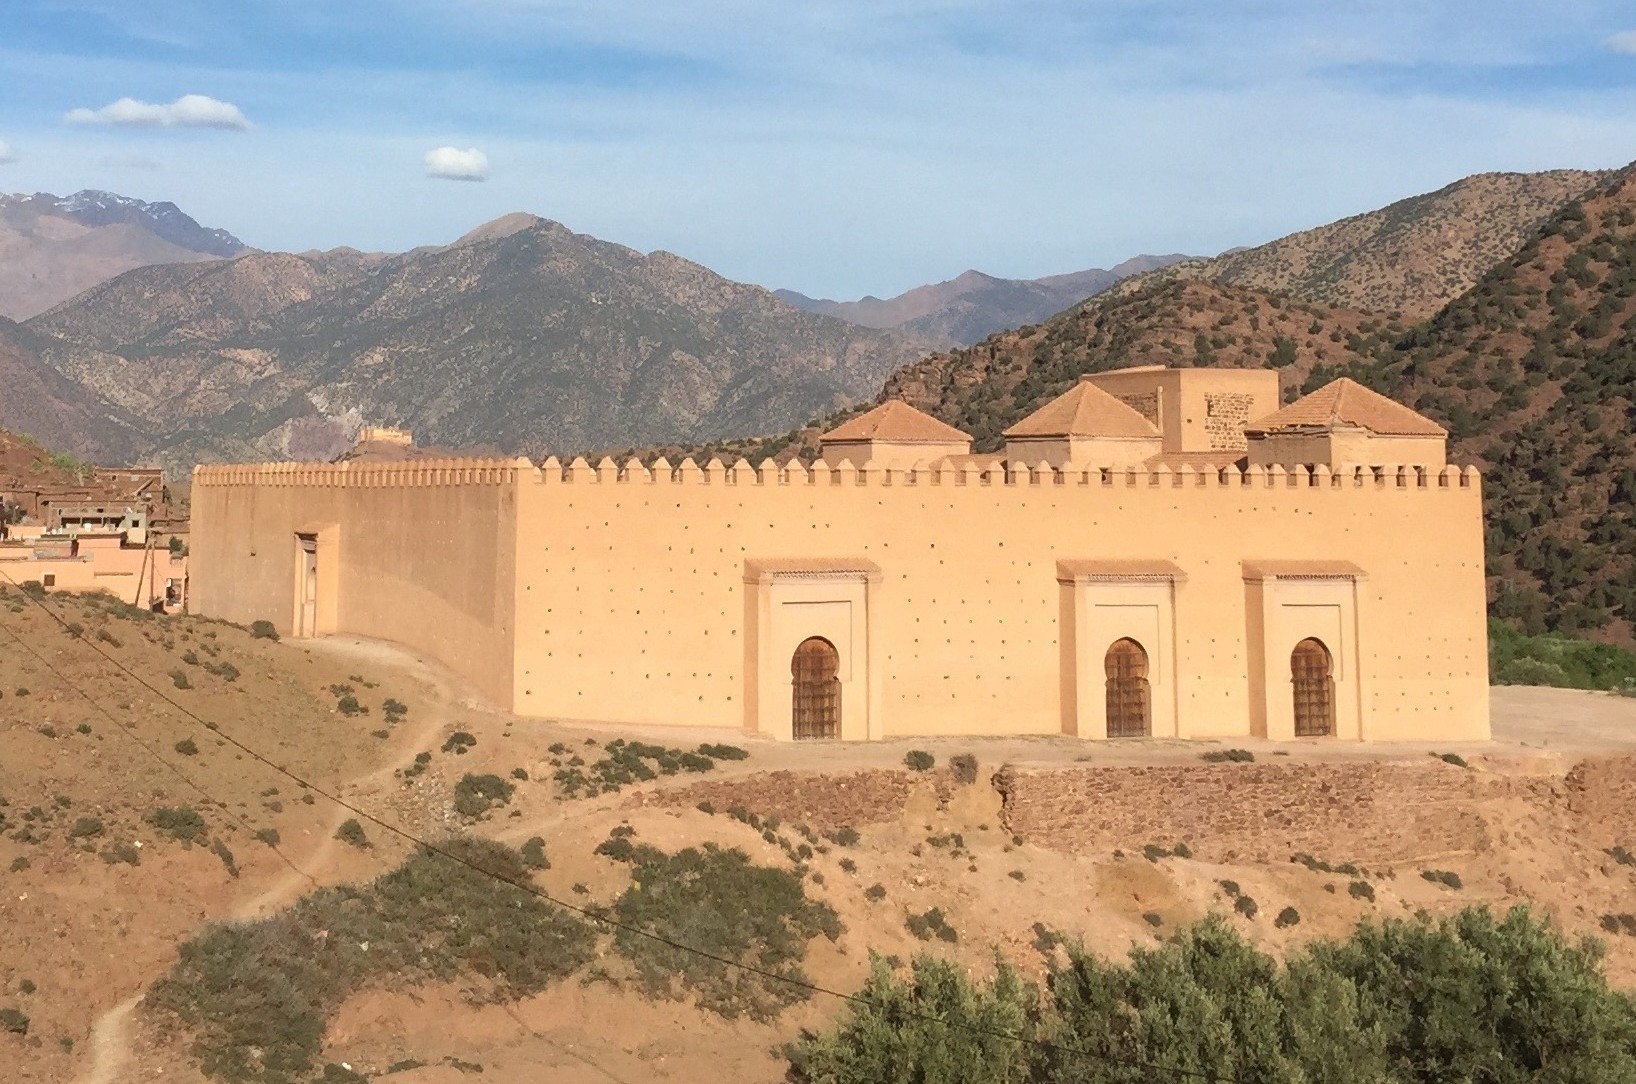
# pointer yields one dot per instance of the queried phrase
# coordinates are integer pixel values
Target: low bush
(180, 823)
(269, 836)
(1289, 916)
(85, 828)
(474, 795)
(459, 742)
(187, 747)
(718, 900)
(256, 997)
(1452, 758)
(964, 767)
(1153, 918)
(1620, 924)
(1446, 878)
(874, 893)
(929, 924)
(1223, 756)
(13, 1021)
(1515, 658)
(351, 832)
(1622, 856)
(918, 760)
(1361, 890)
(179, 679)
(723, 752)
(263, 630)
(626, 762)
(121, 852)
(348, 705)
(844, 836)
(533, 854)
(1246, 906)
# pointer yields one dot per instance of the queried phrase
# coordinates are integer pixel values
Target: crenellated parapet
(408, 473)
(976, 473)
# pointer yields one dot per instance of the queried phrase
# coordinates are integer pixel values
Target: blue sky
(839, 148)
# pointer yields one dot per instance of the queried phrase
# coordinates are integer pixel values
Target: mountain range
(973, 305)
(52, 248)
(523, 335)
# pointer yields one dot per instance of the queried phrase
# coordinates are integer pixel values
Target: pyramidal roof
(1345, 402)
(895, 420)
(1084, 410)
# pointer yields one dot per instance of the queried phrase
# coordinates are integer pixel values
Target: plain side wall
(631, 607)
(426, 564)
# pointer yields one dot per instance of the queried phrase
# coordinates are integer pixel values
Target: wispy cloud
(454, 164)
(1623, 43)
(6, 153)
(188, 111)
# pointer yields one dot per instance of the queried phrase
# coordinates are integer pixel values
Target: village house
(1157, 552)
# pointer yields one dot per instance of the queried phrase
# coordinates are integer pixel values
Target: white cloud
(188, 111)
(6, 153)
(1623, 43)
(454, 164)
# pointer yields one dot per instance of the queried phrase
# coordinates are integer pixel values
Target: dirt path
(110, 1035)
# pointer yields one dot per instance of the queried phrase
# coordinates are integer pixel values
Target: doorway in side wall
(1312, 677)
(815, 680)
(306, 613)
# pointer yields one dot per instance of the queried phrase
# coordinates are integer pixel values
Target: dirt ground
(89, 935)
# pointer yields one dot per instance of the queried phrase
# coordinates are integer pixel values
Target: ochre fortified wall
(961, 599)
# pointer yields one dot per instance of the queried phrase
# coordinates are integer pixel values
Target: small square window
(49, 579)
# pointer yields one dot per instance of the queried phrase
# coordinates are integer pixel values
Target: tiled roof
(1345, 402)
(1084, 410)
(895, 420)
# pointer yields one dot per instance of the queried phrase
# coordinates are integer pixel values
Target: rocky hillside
(38, 401)
(973, 305)
(1410, 258)
(52, 247)
(527, 336)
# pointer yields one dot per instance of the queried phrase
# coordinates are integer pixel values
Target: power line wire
(600, 917)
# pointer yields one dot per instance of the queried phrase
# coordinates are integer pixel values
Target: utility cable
(601, 918)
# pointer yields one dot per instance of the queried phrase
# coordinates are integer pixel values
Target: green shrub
(1515, 658)
(348, 705)
(896, 1031)
(263, 630)
(918, 760)
(352, 832)
(1452, 758)
(1361, 890)
(1234, 756)
(1153, 918)
(1289, 916)
(1246, 906)
(874, 893)
(519, 774)
(85, 828)
(269, 836)
(475, 794)
(723, 752)
(187, 747)
(719, 901)
(844, 836)
(219, 849)
(256, 996)
(13, 1021)
(964, 767)
(179, 679)
(1394, 1002)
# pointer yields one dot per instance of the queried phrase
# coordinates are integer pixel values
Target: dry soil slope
(1409, 258)
(40, 402)
(536, 339)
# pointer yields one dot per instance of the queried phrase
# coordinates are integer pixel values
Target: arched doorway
(1130, 701)
(815, 677)
(1312, 675)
